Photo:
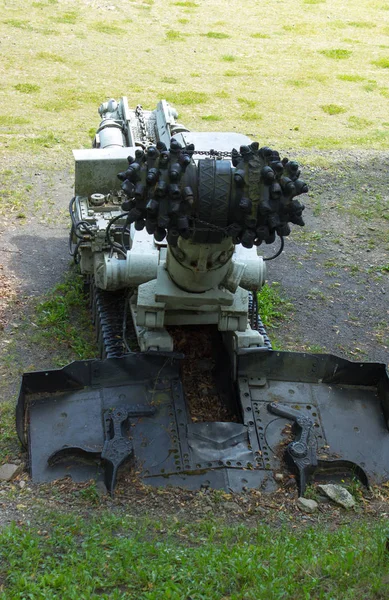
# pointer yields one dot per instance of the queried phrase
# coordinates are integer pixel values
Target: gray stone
(9, 471)
(338, 494)
(307, 505)
(279, 477)
(323, 499)
(101, 489)
(230, 506)
(22, 484)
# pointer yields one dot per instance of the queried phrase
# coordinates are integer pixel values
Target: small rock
(229, 506)
(22, 484)
(9, 471)
(323, 499)
(207, 509)
(338, 494)
(101, 489)
(279, 477)
(307, 505)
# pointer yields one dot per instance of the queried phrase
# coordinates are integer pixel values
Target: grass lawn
(117, 557)
(310, 75)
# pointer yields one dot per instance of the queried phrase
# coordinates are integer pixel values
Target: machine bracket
(118, 445)
(301, 453)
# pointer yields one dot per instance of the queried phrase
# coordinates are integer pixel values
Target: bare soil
(333, 272)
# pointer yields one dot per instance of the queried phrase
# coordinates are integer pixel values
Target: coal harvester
(167, 226)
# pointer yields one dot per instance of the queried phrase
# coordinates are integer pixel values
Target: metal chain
(145, 139)
(214, 153)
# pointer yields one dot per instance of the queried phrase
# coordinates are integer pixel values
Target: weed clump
(359, 122)
(353, 78)
(216, 35)
(333, 109)
(272, 307)
(108, 28)
(173, 35)
(49, 56)
(336, 53)
(63, 317)
(383, 63)
(187, 4)
(69, 18)
(188, 98)
(210, 118)
(27, 88)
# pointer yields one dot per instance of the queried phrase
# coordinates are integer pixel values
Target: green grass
(169, 80)
(174, 35)
(116, 557)
(351, 77)
(188, 98)
(19, 24)
(359, 123)
(66, 44)
(212, 118)
(12, 197)
(298, 83)
(251, 116)
(247, 102)
(48, 140)
(27, 88)
(69, 18)
(64, 320)
(12, 121)
(50, 57)
(363, 24)
(107, 28)
(9, 445)
(187, 4)
(383, 63)
(272, 307)
(260, 36)
(217, 35)
(333, 109)
(337, 53)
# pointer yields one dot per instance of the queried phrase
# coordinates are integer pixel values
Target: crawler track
(109, 316)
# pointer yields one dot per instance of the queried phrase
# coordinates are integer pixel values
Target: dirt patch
(335, 269)
(8, 293)
(28, 505)
(200, 377)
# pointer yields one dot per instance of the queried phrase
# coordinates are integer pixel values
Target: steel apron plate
(317, 412)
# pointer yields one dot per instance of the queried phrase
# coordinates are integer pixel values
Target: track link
(256, 321)
(108, 314)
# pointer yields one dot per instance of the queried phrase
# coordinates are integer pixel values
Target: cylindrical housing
(116, 273)
(199, 267)
(111, 134)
